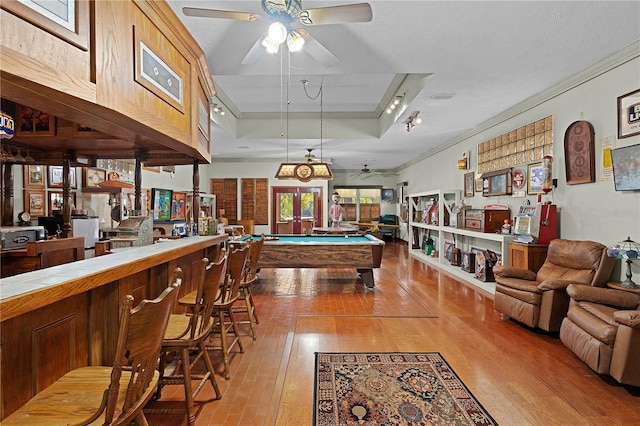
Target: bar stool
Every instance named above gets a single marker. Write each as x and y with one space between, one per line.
249 277
89 394
223 307
185 335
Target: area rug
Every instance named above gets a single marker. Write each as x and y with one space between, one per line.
392 389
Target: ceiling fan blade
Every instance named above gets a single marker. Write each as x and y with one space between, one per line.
359 12
220 14
256 52
317 50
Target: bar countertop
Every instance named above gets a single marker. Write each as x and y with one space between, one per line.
26 292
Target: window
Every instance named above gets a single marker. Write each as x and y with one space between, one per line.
361 204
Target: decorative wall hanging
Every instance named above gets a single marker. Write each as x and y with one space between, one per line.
535 179
157 74
469 184
93 177
496 183
68 20
519 182
35 203
56 178
579 153
629 114
34 176
520 146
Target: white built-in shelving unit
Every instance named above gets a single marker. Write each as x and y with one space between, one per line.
441 232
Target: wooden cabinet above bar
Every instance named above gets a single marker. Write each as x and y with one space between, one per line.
105 84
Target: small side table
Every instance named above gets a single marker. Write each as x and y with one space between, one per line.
617 286
527 256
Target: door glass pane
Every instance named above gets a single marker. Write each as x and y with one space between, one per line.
285 211
307 209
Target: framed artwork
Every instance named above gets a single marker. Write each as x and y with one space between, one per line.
156 74
629 114
478 184
68 20
33 176
579 153
178 205
93 177
35 203
33 122
56 179
469 184
535 173
56 201
496 183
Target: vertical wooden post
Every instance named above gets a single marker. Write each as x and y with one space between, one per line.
138 180
66 193
195 210
7 194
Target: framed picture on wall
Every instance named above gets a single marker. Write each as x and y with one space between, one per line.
469 184
93 177
56 201
33 176
35 203
535 179
629 114
56 178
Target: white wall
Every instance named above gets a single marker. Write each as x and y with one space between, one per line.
256 169
593 211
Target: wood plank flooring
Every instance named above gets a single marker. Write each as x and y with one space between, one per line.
521 376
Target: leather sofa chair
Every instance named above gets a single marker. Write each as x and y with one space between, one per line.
540 299
602 328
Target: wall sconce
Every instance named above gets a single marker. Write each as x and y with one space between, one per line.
463 163
394 103
413 121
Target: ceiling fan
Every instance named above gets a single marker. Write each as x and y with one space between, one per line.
284 15
311 158
366 173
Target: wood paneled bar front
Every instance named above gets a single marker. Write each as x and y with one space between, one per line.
64 317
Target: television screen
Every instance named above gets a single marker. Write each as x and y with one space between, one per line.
626 168
162 203
387 194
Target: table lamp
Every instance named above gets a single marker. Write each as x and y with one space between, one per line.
628 250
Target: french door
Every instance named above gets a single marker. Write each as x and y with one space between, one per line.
295 209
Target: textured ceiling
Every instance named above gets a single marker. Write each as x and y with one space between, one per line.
458 63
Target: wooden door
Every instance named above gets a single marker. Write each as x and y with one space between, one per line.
296 209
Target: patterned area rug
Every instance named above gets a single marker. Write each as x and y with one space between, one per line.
392 389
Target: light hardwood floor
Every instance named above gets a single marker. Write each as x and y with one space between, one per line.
521 376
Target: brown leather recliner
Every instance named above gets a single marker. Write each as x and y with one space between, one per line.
540 300
602 328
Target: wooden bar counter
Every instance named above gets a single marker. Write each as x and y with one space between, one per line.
64 317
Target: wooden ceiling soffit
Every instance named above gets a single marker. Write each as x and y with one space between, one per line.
97 117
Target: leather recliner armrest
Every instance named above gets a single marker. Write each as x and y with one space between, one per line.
554 284
604 296
628 318
513 272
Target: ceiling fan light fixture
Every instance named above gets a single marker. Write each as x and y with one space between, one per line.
295 41
278 32
270 45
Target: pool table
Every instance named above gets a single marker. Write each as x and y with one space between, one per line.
363 252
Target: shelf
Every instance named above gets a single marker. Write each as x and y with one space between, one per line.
456 271
501 238
425 226
464 239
